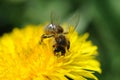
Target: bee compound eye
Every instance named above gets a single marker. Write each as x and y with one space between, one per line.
51 26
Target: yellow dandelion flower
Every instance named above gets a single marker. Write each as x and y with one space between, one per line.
23 58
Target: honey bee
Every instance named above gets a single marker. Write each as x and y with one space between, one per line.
57 32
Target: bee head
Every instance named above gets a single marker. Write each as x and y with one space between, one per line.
53 29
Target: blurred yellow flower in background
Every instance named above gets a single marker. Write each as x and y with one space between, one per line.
23 58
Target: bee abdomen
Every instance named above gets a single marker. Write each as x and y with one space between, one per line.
60 49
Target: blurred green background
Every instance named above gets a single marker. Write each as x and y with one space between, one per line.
101 18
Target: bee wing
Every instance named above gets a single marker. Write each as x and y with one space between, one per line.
73 22
54 19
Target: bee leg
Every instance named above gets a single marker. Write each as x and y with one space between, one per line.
63 51
65 33
68 46
45 36
42 37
